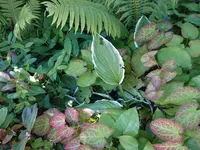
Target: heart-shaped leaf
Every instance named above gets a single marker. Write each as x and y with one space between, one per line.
193 50
95 135
71 115
58 120
65 132
189 31
183 95
73 144
107 61
167 130
169 146
42 125
87 79
188 116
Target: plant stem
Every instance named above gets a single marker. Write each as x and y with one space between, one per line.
122 93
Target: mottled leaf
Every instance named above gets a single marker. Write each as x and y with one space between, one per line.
52 136
58 120
65 132
169 146
73 144
71 115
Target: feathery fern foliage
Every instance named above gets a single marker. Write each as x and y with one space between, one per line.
83 14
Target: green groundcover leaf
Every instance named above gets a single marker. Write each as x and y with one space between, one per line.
189 31
107 61
128 142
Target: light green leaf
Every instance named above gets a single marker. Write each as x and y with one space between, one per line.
107 61
127 123
148 146
195 82
3 114
76 67
193 50
168 53
36 90
128 142
189 31
87 79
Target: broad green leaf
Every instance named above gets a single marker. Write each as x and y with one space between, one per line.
183 95
128 142
76 67
195 135
95 135
193 50
127 123
107 61
176 41
158 114
185 113
3 114
189 31
195 82
87 79
164 25
167 130
191 144
169 146
36 90
137 66
41 126
148 146
168 53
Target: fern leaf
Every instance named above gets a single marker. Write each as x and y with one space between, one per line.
35 7
24 18
11 8
84 14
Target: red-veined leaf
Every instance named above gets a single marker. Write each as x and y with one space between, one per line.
71 115
58 120
65 132
73 144
169 146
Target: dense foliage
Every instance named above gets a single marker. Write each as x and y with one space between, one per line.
100 74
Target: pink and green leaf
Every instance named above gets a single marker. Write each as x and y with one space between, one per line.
73 144
52 136
169 146
65 132
167 130
72 115
58 120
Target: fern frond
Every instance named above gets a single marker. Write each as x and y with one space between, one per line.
11 8
35 7
84 14
25 17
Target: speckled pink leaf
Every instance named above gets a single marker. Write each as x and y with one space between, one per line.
73 144
154 95
183 95
169 146
167 130
156 81
52 136
85 147
58 120
65 132
168 75
170 64
188 116
71 115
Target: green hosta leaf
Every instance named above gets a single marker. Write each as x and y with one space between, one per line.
71 115
168 53
128 142
167 130
185 113
183 95
193 50
176 41
95 135
87 79
3 114
58 120
136 63
189 31
164 25
169 146
53 137
127 123
195 82
76 67
42 125
107 61
4 77
148 146
159 40
146 33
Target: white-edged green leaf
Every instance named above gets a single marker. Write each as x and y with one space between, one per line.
107 61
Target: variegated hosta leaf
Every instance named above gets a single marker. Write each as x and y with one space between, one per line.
73 144
146 33
58 120
183 95
4 77
160 40
42 126
52 136
107 61
65 132
169 146
164 25
72 115
95 135
188 116
167 130
169 65
85 147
